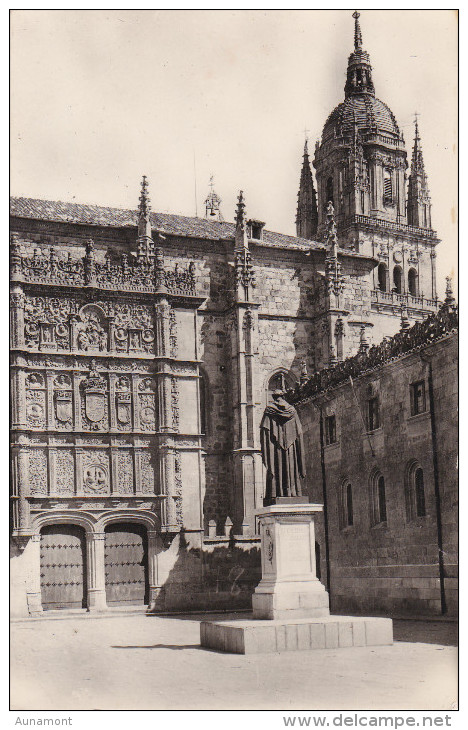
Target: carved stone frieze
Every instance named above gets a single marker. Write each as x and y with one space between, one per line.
121 272
173 333
175 403
147 411
125 472
147 472
178 488
64 472
37 472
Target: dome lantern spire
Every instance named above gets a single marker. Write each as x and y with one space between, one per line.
357 32
359 75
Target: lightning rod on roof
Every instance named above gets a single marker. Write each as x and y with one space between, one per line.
195 183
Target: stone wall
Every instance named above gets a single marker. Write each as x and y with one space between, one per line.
388 566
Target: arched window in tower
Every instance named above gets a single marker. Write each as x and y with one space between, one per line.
397 279
382 275
413 282
387 187
329 191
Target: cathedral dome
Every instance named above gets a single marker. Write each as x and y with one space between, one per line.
365 112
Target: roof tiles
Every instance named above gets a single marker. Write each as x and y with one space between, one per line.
177 225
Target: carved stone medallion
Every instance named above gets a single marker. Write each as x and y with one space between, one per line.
94 479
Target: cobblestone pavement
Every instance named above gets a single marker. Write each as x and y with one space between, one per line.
156 663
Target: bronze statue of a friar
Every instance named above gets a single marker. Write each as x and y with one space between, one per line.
282 452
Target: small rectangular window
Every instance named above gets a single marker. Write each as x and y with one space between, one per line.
373 414
418 397
330 430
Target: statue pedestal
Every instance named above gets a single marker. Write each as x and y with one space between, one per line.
290 605
289 588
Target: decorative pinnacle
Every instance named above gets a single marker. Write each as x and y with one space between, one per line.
240 210
331 232
145 205
241 228
304 373
357 32
404 322
417 162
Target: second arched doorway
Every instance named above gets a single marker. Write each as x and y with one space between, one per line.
126 564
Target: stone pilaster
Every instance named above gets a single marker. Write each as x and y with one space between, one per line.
168 487
76 400
95 571
33 580
22 492
17 316
244 357
154 586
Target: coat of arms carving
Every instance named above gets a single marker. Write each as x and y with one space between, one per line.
94 388
63 405
123 407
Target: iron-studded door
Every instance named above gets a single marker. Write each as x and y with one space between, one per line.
63 568
126 563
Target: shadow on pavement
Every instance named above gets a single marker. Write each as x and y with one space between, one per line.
175 647
426 632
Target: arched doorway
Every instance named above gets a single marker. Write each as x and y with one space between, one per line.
63 567
126 564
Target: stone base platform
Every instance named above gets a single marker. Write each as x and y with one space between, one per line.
262 637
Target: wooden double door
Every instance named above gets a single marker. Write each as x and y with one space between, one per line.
126 564
63 567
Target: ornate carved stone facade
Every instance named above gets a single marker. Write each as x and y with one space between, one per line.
144 346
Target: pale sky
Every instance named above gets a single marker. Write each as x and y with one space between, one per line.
99 98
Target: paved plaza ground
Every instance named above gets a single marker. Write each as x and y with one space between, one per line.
138 662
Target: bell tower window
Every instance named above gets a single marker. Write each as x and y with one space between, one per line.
397 276
413 282
382 274
387 187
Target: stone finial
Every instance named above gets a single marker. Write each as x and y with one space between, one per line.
144 210
304 373
241 223
90 248
357 32
332 358
363 341
144 207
